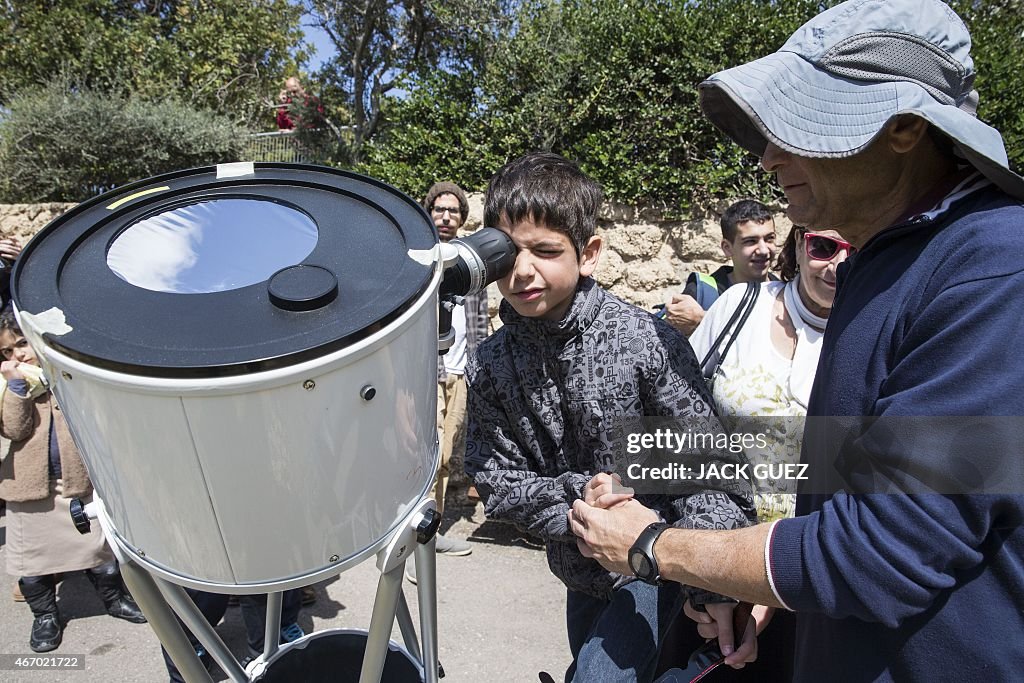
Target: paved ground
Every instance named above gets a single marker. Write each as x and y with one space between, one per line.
500 615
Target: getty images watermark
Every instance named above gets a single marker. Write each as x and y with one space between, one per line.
948 455
666 440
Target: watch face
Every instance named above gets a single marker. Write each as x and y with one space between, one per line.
639 563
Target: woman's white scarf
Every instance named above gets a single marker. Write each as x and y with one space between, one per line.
809 331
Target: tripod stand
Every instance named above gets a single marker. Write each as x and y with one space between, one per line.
321 655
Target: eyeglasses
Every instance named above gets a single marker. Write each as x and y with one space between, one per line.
825 248
441 210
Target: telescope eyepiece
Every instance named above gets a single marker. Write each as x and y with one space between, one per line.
484 256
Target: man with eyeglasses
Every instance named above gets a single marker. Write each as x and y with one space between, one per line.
907 562
748 241
448 207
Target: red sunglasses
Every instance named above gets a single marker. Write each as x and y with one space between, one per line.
825 248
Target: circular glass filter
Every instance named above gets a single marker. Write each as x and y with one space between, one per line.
212 246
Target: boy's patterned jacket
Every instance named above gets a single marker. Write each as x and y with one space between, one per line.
548 406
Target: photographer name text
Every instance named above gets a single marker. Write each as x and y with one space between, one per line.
716 471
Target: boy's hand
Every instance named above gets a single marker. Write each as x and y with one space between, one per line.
683 313
605 491
11 369
607 535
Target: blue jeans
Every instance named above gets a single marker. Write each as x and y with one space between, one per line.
620 639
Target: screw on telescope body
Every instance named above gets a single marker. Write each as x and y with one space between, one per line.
309 385
79 517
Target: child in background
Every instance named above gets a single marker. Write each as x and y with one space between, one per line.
38 478
548 395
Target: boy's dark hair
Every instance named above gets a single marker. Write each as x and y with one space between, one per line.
8 323
548 189
741 212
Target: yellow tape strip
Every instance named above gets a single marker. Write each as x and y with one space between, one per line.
125 200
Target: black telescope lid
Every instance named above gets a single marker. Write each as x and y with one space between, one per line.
227 270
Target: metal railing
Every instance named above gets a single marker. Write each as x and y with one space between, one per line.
311 147
281 145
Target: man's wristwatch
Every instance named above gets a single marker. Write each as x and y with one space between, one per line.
641 555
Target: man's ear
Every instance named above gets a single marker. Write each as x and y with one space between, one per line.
905 131
590 256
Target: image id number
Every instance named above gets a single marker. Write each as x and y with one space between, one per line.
36 662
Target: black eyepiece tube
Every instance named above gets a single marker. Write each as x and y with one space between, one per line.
484 256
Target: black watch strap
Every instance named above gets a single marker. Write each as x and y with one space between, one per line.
641 555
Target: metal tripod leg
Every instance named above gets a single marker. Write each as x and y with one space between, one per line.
405 625
385 606
164 623
272 632
417 536
182 604
426 592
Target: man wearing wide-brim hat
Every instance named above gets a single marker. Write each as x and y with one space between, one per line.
867 117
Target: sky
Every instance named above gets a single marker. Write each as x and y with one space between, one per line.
321 48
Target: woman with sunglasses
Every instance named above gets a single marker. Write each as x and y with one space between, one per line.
768 371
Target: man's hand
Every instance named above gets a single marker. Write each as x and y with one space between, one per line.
717 622
605 491
607 535
683 313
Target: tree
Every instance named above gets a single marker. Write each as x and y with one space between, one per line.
610 83
382 44
67 144
220 55
997 37
431 134
613 84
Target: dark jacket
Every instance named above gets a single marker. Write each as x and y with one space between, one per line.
547 404
922 587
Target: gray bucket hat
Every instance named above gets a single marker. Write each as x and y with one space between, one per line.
836 82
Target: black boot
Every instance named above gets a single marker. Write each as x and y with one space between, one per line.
119 602
41 595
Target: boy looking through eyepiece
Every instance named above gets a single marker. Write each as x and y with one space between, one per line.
548 394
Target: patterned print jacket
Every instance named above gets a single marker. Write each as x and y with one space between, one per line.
547 401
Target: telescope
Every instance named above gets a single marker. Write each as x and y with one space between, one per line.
246 356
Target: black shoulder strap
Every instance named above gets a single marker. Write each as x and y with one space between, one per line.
713 358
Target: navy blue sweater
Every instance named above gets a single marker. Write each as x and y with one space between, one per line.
928 321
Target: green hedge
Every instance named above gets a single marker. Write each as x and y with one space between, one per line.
610 83
613 84
58 144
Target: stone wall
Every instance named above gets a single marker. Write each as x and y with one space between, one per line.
645 258
24 220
